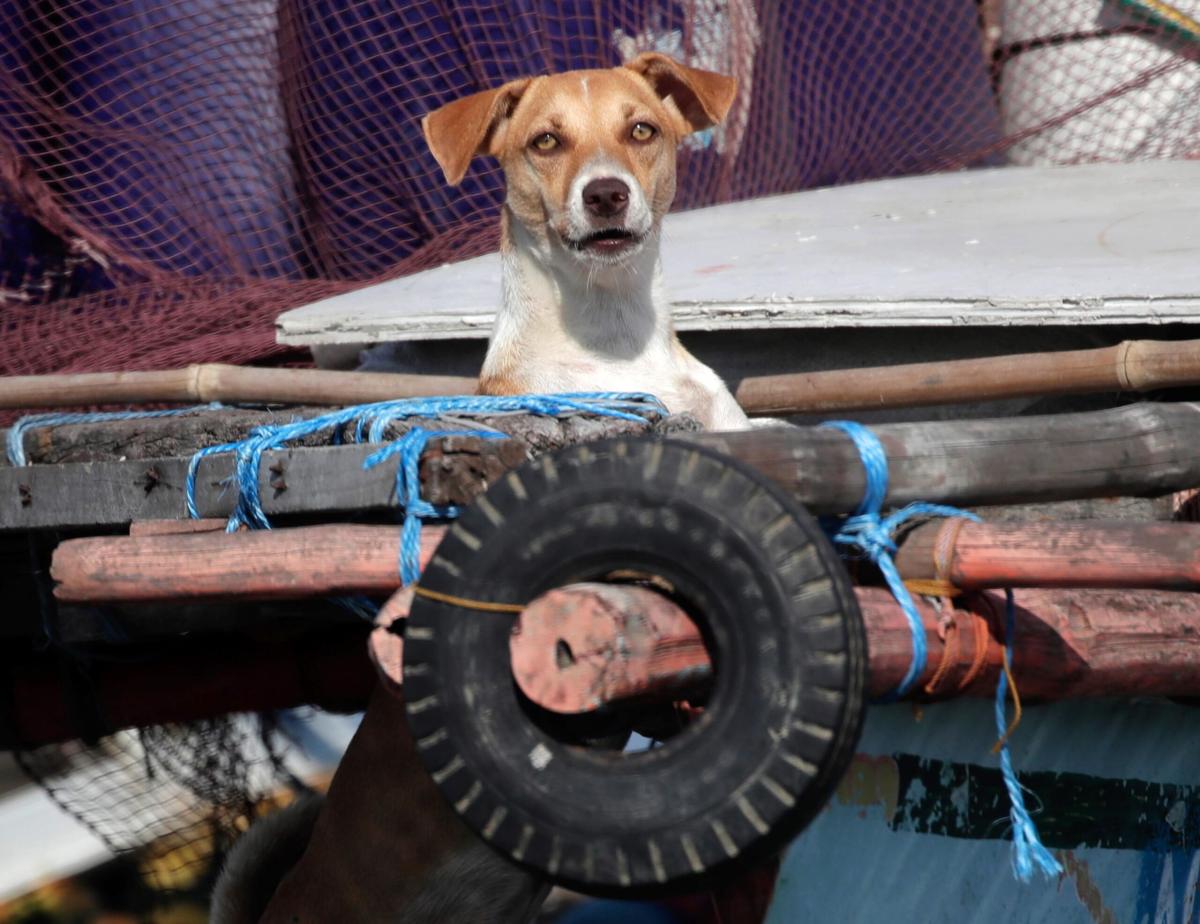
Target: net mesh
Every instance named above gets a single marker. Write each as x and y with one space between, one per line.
173 176
175 797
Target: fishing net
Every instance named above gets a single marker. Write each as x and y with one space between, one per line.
173 176
174 797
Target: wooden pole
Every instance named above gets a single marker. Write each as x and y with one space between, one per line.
160 562
254 565
1142 450
230 384
579 648
1089 553
1133 365
1069 643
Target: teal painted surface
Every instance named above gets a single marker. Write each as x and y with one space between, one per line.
917 830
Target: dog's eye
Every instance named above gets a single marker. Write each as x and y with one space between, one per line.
545 142
642 131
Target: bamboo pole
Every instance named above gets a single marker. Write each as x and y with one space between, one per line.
1133 365
1090 553
229 384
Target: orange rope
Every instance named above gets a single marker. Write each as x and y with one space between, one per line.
1016 698
482 605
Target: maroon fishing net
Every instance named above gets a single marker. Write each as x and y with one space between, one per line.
174 176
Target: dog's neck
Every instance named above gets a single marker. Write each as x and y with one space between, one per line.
552 308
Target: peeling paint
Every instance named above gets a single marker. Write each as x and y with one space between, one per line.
871 781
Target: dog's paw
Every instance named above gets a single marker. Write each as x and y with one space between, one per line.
763 423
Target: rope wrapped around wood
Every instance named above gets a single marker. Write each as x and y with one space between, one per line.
871 533
370 424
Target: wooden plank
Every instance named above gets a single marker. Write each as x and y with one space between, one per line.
1139 450
165 437
324 480
1095 244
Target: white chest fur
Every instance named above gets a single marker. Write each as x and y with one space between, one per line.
566 326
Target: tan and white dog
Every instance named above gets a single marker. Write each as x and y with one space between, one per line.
589 160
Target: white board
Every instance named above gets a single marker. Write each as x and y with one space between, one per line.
1093 244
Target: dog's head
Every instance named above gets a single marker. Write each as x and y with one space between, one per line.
589 156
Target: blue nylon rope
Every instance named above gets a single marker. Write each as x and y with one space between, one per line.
370 423
408 491
15 444
872 534
1028 849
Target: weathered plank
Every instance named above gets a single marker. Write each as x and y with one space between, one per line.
105 494
164 437
1094 244
1141 450
115 487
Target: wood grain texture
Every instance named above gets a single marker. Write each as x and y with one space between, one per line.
1140 450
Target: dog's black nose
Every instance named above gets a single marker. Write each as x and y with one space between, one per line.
606 198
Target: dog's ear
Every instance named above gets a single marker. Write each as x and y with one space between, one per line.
460 130
703 98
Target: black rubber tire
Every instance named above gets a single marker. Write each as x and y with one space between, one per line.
781 623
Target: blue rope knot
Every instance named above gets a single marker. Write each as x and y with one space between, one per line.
871 534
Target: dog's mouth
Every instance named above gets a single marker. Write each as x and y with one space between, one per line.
606 241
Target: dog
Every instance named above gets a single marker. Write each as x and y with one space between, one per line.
589 162
382 846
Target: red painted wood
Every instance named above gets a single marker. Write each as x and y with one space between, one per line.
1088 553
1068 644
207 565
